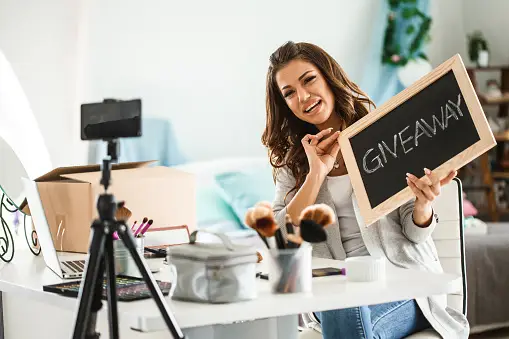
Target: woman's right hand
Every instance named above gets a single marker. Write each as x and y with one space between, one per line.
321 154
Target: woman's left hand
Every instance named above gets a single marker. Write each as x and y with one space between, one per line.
426 190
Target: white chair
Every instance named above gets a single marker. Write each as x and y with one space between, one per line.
449 240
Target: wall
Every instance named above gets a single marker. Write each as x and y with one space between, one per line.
490 16
447 31
203 65
200 64
39 38
453 20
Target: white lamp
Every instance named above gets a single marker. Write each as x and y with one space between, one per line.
18 126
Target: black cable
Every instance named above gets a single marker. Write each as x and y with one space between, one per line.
8 235
35 238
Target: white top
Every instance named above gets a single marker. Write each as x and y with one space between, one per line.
26 274
341 190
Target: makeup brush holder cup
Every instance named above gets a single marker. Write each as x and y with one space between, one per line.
124 263
290 270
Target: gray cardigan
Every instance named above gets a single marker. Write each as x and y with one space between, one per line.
395 237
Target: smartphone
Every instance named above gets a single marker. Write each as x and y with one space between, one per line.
111 119
317 272
326 271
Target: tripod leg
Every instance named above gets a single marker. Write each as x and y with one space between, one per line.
155 291
112 288
85 321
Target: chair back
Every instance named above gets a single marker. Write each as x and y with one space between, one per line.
449 239
450 243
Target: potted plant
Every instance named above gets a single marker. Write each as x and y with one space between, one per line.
478 49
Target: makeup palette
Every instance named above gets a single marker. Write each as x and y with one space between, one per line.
128 288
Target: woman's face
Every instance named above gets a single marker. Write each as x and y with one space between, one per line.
306 92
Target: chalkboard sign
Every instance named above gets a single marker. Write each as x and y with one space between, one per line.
425 131
436 123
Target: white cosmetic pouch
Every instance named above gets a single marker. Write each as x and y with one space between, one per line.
214 272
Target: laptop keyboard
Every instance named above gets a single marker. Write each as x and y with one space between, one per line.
77 266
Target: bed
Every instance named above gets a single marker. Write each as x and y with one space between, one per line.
487 258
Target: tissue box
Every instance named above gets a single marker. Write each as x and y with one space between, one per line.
69 196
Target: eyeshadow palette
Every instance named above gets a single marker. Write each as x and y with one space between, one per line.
128 288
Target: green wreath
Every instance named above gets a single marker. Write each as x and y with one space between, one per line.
402 16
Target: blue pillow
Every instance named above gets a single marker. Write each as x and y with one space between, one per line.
242 190
212 211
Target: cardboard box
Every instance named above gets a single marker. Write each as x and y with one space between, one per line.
69 197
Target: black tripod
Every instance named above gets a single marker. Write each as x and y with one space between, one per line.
101 261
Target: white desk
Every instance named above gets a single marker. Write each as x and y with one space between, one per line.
30 313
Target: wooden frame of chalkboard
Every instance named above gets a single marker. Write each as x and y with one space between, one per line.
450 128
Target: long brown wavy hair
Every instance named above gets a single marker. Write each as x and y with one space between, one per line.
284 131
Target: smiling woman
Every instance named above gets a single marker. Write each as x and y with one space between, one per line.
310 100
309 96
306 103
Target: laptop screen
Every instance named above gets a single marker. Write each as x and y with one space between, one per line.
41 226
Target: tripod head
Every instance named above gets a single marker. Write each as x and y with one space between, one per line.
108 121
113 152
106 204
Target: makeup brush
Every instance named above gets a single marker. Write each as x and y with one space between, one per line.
313 220
294 239
264 220
312 232
261 223
290 231
321 214
280 241
289 265
123 213
142 225
147 226
261 218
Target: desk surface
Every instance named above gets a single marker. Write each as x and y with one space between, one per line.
26 275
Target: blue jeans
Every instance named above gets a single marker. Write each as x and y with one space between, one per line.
385 321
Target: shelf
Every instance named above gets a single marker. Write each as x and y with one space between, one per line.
486 100
502 136
488 68
500 175
476 187
484 211
503 210
498 171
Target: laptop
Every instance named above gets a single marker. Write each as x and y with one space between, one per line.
71 267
